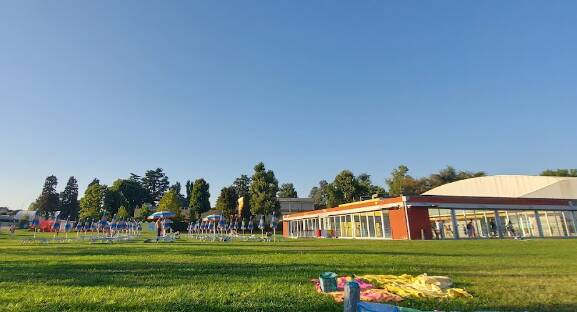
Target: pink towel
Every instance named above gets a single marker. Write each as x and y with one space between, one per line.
341 281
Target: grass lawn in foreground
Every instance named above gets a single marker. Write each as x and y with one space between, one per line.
505 275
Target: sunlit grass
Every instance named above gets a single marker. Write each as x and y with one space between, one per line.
535 275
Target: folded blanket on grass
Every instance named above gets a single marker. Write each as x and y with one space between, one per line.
395 288
421 286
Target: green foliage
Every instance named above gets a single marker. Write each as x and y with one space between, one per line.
143 211
227 201
113 200
287 190
560 173
345 188
320 194
400 183
132 192
69 204
122 213
263 190
91 204
49 201
242 188
170 202
199 199
156 183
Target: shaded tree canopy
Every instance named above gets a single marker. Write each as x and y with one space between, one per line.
401 183
133 193
287 190
242 188
560 173
156 182
227 201
69 204
170 202
49 200
263 190
92 201
199 198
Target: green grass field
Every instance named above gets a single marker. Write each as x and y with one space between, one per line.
534 275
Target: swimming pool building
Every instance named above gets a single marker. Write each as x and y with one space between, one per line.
508 206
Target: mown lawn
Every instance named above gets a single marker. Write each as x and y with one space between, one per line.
534 275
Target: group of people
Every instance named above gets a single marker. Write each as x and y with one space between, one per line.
441 230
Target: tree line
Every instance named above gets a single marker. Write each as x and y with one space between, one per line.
259 193
138 196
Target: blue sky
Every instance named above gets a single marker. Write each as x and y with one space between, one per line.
209 88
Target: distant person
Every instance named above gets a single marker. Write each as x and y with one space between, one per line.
440 229
493 228
510 228
471 229
12 228
158 225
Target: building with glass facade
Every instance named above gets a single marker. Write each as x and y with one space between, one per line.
528 207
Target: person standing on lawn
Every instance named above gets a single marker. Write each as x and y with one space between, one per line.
158 225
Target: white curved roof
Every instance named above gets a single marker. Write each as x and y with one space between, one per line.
516 186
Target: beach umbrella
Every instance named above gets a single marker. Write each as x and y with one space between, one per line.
261 225
250 225
213 217
161 214
273 224
35 223
56 227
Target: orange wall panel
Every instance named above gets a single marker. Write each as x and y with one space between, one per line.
398 223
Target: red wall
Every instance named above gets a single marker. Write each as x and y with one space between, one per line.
418 220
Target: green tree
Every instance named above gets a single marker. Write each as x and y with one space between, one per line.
242 188
143 211
188 187
156 182
287 190
335 196
122 213
346 184
366 188
319 195
263 190
560 173
400 182
227 201
49 201
199 199
112 200
69 204
170 202
91 204
133 193
176 187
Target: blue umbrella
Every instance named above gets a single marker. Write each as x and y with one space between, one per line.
162 214
221 223
274 220
250 224
261 223
79 226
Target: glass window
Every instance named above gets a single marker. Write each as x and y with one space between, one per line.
378 224
386 224
357 226
371 224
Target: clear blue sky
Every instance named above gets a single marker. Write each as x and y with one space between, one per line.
209 88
